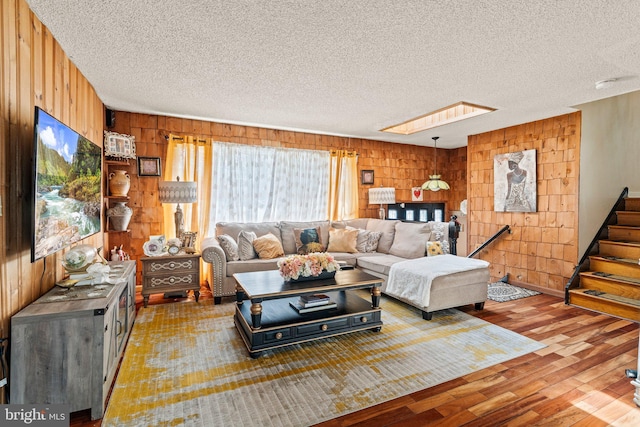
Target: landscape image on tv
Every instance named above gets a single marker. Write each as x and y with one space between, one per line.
67 186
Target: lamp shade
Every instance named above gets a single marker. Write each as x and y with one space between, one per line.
178 191
382 195
435 184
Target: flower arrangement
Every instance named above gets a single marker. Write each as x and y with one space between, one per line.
312 264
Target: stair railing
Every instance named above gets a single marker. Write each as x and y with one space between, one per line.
593 248
490 240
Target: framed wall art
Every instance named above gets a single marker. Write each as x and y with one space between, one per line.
366 177
119 145
515 183
416 194
149 166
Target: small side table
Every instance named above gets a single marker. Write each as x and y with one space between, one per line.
170 273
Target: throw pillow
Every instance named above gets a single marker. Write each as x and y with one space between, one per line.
268 246
410 240
367 240
229 246
440 233
388 230
434 248
342 240
308 240
245 245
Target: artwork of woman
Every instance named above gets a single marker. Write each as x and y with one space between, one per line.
516 200
515 182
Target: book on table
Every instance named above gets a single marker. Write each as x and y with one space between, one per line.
302 309
314 300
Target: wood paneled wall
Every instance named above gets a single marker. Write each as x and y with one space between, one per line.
394 165
35 72
542 250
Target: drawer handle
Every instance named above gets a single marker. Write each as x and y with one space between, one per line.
363 319
279 336
171 280
172 265
324 327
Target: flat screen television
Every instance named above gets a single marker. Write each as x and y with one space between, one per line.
67 186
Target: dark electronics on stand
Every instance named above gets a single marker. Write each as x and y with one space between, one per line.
67 186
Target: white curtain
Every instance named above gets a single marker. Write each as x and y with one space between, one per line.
255 184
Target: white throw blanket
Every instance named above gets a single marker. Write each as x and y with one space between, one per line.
411 280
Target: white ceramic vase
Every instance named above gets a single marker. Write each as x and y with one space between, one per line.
119 216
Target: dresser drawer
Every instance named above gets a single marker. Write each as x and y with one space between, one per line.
364 318
172 280
167 266
324 326
277 335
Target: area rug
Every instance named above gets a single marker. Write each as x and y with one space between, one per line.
185 364
502 292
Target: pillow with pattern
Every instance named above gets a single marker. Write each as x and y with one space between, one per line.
245 245
367 240
229 246
308 240
434 248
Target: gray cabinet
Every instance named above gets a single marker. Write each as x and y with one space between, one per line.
66 345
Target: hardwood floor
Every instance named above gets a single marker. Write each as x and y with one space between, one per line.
577 380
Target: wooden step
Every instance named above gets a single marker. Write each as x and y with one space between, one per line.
618 266
631 218
604 304
632 204
611 284
619 249
624 233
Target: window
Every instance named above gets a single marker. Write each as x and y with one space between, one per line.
255 184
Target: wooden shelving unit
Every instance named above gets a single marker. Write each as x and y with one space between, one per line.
115 237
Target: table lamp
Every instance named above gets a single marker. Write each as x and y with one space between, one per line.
178 192
382 196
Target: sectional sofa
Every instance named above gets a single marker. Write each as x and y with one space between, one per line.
380 244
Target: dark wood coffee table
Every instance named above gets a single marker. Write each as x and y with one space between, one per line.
270 322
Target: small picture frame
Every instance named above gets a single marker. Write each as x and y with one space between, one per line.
366 177
119 145
189 241
416 194
149 166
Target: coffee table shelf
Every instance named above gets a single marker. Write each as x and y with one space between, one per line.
278 324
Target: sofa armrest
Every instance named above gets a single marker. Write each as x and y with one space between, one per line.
213 254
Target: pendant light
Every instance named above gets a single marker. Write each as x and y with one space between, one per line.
435 183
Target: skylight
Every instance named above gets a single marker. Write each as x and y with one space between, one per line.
443 116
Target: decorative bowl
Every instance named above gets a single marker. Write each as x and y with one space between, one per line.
78 258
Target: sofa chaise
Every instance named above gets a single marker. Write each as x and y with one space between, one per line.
378 246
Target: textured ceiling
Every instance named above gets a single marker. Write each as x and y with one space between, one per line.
350 67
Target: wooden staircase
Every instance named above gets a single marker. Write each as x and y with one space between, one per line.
608 279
